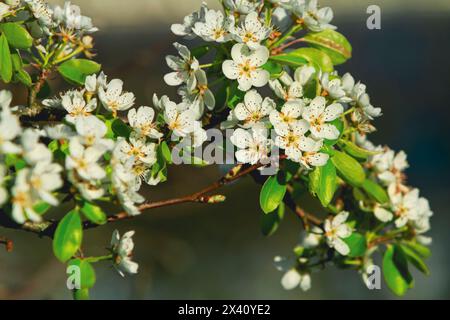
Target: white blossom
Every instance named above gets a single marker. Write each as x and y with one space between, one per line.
93 83
142 122
304 74
288 116
9 125
312 157
314 18
287 89
252 31
34 152
22 200
114 99
242 6
254 109
199 96
293 279
197 137
3 191
334 88
336 229
404 206
137 148
122 250
246 66
253 145
42 12
178 118
215 27
70 15
4 10
74 103
59 131
184 68
45 178
318 114
390 166
185 29
92 131
292 139
84 160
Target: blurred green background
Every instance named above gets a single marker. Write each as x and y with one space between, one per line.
204 252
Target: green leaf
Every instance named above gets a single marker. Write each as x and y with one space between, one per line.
201 51
6 68
376 191
317 58
23 77
81 294
87 272
94 213
68 236
17 36
272 193
395 270
418 248
357 244
349 169
41 207
271 221
415 260
334 44
165 152
289 59
120 128
323 183
76 70
355 151
275 69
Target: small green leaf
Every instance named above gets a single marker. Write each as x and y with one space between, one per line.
289 59
120 128
6 68
271 221
376 191
355 151
76 70
357 244
272 193
87 272
94 213
395 270
68 236
41 207
349 169
165 152
23 77
418 248
17 36
415 259
275 69
323 183
334 44
302 56
201 51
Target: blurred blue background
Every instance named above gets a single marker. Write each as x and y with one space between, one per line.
202 252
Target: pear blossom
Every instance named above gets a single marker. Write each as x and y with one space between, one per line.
292 139
59 132
304 74
184 68
142 122
22 200
390 166
200 96
252 31
287 89
90 190
281 17
242 6
288 116
122 250
253 145
197 137
93 83
34 152
254 109
334 88
293 279
185 29
4 10
42 12
311 157
70 16
74 103
314 18
318 114
9 125
246 66
45 178
336 229
404 206
84 160
179 120
138 148
91 132
215 27
114 99
311 239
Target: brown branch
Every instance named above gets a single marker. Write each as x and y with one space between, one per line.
35 108
280 49
306 218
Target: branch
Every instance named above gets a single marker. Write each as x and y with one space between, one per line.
7 243
35 108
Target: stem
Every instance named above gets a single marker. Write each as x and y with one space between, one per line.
288 34
98 259
9 245
280 49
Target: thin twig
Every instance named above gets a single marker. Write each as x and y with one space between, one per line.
9 245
